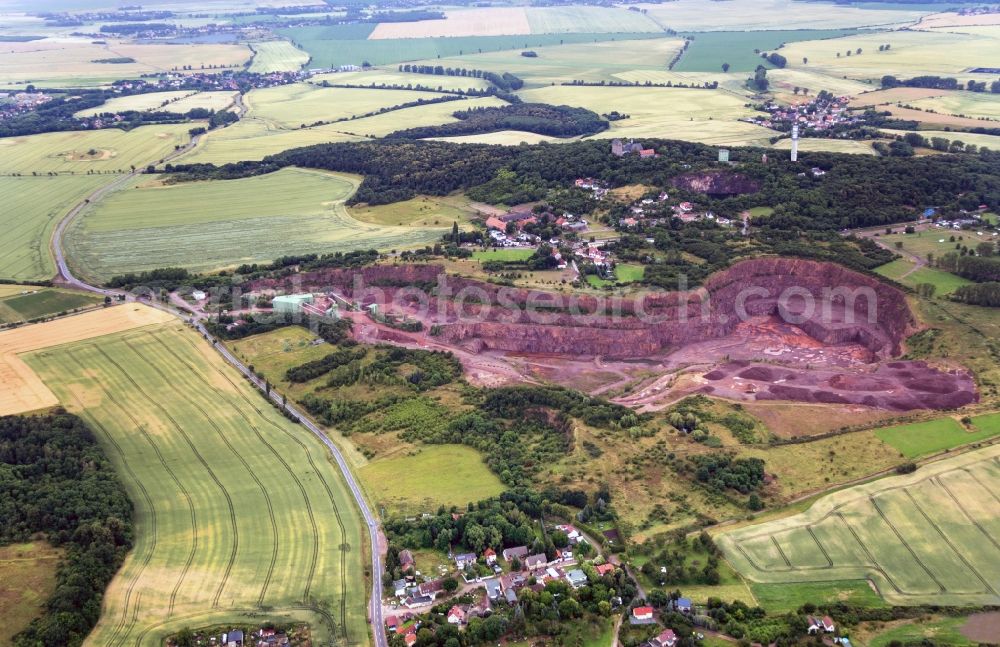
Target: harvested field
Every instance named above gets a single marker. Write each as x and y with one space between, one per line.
238 510
392 77
968 104
490 21
947 19
23 391
705 15
925 538
502 137
138 102
60 60
937 120
588 19
429 115
893 95
809 144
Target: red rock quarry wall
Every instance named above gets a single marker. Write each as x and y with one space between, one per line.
859 309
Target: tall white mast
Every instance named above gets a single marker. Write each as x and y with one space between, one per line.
795 142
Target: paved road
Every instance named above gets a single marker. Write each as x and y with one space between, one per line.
66 277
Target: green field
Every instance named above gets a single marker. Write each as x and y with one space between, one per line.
276 56
81 151
825 144
428 477
421 211
788 597
513 254
899 270
330 48
298 104
209 225
624 273
708 116
429 115
924 538
42 302
32 207
710 49
237 510
923 438
967 104
940 631
255 139
589 61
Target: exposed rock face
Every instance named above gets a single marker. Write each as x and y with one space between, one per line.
717 182
832 304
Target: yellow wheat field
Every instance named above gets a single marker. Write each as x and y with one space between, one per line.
22 390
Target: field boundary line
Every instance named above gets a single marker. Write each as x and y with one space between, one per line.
906 545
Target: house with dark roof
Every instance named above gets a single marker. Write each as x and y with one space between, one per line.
519 552
431 589
665 639
464 559
406 560
536 561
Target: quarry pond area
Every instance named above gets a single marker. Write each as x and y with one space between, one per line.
763 330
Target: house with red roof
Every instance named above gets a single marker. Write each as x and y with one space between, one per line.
642 614
604 569
456 615
666 639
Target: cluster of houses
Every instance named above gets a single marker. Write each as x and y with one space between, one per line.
649 211
507 230
263 637
820 114
597 188
13 104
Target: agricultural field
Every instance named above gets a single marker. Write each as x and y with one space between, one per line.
570 61
710 49
237 508
924 538
216 224
390 76
421 211
27 579
277 56
911 53
23 391
588 19
924 438
788 597
429 115
255 139
785 80
942 630
101 151
509 254
331 47
965 104
427 477
302 104
42 302
180 101
33 206
70 61
708 116
810 144
705 15
487 21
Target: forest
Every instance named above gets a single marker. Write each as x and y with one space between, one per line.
55 481
540 118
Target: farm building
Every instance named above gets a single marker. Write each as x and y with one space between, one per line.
290 303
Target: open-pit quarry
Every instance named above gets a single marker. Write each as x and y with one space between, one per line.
764 329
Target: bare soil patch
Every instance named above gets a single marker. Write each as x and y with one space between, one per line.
983 627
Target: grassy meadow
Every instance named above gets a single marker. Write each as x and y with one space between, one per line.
237 508
924 438
82 151
255 139
27 579
33 206
427 477
42 302
924 538
209 225
277 56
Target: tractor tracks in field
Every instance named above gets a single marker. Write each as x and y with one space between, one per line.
208 470
323 480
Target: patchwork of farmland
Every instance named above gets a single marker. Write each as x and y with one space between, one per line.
83 151
377 77
210 225
237 509
255 139
180 101
32 207
925 538
429 115
291 106
710 49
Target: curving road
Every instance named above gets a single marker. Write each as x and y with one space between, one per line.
66 277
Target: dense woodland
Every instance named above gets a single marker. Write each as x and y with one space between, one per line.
55 481
541 118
